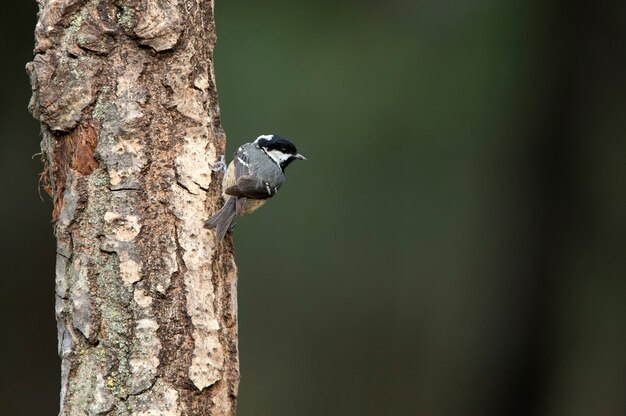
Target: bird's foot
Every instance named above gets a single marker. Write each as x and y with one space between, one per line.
220 165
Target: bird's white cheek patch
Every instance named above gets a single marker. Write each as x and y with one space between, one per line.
278 156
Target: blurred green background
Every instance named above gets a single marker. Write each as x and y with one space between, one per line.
456 242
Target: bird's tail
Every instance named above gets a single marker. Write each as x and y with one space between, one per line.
222 219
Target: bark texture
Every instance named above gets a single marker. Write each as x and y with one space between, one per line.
146 299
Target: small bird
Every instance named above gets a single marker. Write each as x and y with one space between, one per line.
255 175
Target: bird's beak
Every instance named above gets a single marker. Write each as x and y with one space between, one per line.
299 156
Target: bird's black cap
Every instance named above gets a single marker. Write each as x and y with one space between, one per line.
276 142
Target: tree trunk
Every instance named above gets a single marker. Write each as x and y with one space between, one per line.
146 299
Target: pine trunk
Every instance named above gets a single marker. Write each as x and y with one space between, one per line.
146 300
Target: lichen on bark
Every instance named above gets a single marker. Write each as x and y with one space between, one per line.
146 299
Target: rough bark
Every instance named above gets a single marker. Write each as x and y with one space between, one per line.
146 299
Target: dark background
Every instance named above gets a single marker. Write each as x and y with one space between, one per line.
456 242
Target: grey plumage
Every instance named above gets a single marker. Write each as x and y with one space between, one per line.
223 218
251 160
251 178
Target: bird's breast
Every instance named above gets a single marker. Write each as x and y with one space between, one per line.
229 178
253 205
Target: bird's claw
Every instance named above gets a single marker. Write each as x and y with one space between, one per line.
220 165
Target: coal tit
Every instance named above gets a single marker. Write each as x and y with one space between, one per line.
255 175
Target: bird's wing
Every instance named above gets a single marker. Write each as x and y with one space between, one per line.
242 163
249 186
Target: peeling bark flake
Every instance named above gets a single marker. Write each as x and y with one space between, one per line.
73 154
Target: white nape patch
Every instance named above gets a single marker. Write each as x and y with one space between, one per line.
267 186
277 156
243 162
264 136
